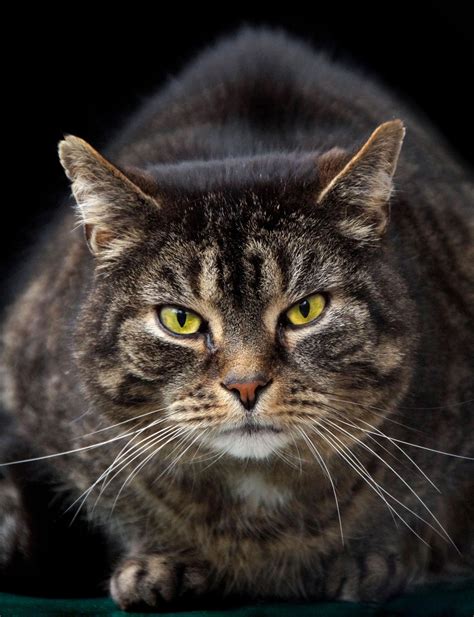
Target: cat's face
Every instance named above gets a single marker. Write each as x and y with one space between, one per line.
250 315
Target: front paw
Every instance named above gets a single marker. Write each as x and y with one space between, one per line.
369 577
153 581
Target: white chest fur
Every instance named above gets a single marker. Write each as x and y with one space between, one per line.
254 490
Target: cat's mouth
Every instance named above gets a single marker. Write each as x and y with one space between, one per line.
251 428
249 439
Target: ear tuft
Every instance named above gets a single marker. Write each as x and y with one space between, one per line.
74 152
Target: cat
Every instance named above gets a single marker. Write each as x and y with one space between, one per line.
244 356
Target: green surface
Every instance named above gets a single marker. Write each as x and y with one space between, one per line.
447 601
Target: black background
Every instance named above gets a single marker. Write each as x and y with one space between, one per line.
78 72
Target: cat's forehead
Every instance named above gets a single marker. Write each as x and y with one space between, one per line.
237 236
267 212
242 251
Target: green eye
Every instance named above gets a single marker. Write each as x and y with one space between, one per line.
179 321
307 310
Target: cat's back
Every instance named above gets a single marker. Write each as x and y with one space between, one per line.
255 92
262 91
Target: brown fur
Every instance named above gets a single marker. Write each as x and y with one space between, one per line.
236 195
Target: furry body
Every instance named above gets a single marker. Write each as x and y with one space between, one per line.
234 155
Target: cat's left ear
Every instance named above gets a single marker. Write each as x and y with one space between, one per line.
362 189
109 201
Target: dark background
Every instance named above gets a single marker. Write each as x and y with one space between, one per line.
78 72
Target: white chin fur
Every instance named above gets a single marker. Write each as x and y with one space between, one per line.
254 446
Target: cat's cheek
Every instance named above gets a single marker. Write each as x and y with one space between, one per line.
147 351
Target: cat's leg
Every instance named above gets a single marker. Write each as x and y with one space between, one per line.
156 579
14 528
373 574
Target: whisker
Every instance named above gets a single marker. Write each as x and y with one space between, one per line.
174 463
105 474
380 433
150 456
138 451
220 455
404 407
373 484
351 458
435 408
407 443
107 428
194 458
370 409
324 467
129 451
436 531
125 449
299 459
410 488
56 454
214 458
286 460
414 445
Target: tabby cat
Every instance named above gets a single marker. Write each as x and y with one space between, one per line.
249 365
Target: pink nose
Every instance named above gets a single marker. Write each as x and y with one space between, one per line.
247 389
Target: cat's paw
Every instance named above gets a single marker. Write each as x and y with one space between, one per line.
153 581
369 577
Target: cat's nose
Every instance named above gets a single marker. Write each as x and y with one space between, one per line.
247 388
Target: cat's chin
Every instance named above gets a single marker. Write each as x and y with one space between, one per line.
244 445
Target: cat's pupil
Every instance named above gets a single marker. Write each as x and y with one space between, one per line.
181 317
304 308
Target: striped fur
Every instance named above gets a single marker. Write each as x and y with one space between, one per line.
250 182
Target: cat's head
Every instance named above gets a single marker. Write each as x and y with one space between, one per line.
250 300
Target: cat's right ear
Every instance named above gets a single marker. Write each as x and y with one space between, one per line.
107 199
361 190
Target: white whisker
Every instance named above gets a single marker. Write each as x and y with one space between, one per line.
370 409
408 443
169 434
380 433
324 467
352 454
415 445
213 458
299 459
174 463
128 445
107 428
140 466
124 456
178 432
372 483
84 448
351 458
410 488
110 468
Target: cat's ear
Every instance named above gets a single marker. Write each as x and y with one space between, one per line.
364 185
107 199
